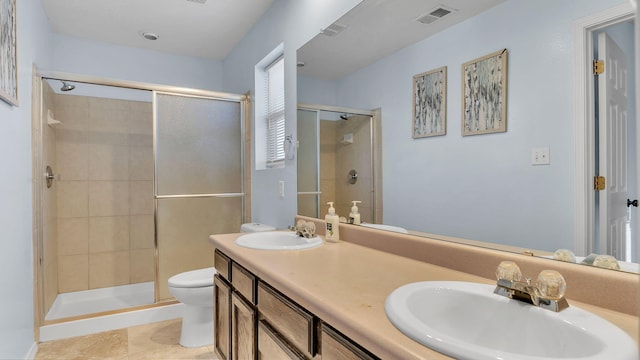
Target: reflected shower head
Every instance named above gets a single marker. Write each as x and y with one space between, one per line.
66 86
344 117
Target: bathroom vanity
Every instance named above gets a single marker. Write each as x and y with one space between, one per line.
328 302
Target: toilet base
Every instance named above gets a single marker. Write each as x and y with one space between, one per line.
197 326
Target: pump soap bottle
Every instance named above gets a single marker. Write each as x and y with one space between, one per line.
354 215
332 221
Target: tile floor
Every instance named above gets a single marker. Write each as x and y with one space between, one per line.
156 341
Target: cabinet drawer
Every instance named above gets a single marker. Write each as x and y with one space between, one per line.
273 346
294 323
244 282
222 264
335 346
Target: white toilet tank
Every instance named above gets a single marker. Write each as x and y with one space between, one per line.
256 227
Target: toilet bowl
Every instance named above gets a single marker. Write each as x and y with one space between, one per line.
195 290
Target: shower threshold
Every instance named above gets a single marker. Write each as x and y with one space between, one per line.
99 300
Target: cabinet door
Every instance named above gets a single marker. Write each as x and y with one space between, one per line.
244 331
271 346
222 333
336 346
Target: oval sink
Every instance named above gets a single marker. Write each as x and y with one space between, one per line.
468 321
277 240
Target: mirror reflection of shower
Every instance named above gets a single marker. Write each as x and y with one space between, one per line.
331 144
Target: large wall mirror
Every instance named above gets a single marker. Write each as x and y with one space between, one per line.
485 189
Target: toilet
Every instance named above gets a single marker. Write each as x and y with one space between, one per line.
195 290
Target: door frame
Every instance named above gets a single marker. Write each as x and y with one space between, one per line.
583 118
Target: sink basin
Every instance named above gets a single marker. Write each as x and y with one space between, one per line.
468 321
277 240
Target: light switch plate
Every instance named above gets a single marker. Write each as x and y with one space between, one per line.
540 156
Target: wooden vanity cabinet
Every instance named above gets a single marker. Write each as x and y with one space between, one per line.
335 346
255 321
288 320
222 320
235 312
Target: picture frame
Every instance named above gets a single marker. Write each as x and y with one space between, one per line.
484 94
8 53
430 103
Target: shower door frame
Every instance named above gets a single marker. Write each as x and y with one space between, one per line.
38 183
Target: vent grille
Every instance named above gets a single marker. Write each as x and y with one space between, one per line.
435 15
333 29
198 1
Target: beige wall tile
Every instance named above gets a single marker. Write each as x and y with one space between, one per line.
72 199
142 266
73 236
108 234
141 232
108 198
73 273
63 100
141 163
141 197
103 105
108 162
108 269
72 118
72 160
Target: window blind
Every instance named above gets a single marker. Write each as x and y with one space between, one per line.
275 113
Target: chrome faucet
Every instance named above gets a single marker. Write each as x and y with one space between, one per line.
304 229
548 293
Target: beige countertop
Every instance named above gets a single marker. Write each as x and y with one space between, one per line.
346 286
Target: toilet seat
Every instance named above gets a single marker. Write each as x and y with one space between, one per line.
193 279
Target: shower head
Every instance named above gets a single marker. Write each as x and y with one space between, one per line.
66 86
344 117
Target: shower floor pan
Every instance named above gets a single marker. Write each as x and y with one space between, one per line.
98 300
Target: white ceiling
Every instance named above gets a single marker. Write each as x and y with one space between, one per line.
210 30
375 28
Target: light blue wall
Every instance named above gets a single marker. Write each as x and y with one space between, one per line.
16 265
293 23
483 187
79 56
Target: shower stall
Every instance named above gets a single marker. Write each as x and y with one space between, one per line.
130 179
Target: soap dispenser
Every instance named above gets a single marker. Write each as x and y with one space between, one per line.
354 215
332 221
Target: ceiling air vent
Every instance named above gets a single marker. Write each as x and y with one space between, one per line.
333 29
435 15
198 1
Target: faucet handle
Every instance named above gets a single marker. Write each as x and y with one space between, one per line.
508 270
551 284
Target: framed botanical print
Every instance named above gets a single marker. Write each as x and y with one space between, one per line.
430 103
484 94
8 53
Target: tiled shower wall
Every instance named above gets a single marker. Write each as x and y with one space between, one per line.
336 159
105 192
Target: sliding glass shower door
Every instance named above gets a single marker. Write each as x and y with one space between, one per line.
199 191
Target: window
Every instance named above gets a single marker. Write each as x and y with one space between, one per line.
274 115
